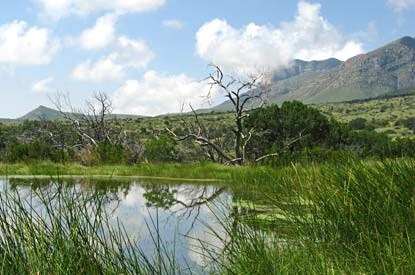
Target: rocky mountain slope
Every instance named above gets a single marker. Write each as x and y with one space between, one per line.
381 71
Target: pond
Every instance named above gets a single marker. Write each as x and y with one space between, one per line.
182 216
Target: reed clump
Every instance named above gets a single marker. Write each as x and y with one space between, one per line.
352 218
60 230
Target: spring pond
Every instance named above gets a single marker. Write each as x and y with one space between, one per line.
182 215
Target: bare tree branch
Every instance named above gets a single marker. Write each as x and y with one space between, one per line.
90 124
237 91
286 147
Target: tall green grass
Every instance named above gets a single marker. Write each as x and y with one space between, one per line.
334 218
60 230
368 210
355 218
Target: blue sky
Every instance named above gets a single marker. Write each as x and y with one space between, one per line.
149 55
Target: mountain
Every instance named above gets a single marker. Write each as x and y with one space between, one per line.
301 67
46 113
381 71
42 113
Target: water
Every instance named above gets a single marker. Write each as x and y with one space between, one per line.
183 214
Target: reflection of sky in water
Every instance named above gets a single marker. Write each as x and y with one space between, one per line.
182 222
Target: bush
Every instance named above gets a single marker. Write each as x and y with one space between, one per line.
410 123
161 149
275 126
107 153
358 124
35 150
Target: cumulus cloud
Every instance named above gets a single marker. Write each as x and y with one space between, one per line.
401 5
256 48
103 69
57 9
101 34
21 44
42 86
173 24
132 53
128 54
159 94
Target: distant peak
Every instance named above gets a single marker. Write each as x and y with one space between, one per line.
42 107
331 59
407 41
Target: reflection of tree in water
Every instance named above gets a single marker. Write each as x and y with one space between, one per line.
184 200
160 196
180 198
189 202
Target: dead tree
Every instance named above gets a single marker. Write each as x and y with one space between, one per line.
92 125
198 132
236 91
59 135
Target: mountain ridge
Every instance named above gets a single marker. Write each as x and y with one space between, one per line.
386 69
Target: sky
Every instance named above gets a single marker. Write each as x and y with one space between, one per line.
150 56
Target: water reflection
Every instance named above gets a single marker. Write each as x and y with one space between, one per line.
180 213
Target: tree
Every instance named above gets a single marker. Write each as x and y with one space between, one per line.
161 148
99 130
278 129
237 92
91 124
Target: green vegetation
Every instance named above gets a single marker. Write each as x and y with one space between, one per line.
333 218
291 133
67 232
384 114
318 190
189 171
356 218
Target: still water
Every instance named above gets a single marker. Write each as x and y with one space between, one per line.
184 215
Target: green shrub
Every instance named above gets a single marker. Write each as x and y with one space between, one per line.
106 153
36 150
161 149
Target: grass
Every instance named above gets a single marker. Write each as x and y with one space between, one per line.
62 231
169 171
333 218
357 218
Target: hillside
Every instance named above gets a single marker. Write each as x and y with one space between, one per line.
46 113
384 70
299 67
42 113
385 114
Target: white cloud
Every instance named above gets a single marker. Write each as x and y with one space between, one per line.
159 94
257 48
132 53
21 44
128 54
101 34
103 69
173 24
400 5
42 86
57 9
